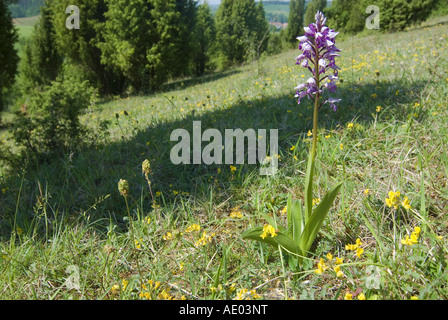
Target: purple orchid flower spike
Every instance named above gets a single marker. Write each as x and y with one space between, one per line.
318 56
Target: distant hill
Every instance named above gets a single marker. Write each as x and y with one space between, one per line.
276 10
26 8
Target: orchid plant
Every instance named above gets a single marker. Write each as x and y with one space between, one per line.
318 56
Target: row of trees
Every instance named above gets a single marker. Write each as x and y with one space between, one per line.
143 43
137 44
349 16
8 54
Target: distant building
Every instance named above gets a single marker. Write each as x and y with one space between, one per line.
279 25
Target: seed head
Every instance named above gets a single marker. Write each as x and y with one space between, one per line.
123 187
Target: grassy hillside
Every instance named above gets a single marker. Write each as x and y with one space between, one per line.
389 134
276 12
25 26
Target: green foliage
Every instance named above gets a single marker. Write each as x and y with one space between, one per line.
41 61
398 14
296 20
149 41
276 42
51 125
81 46
8 54
241 29
347 16
440 8
312 8
205 34
184 37
127 40
303 224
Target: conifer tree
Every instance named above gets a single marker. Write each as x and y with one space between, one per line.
239 29
41 62
296 20
205 34
312 8
8 54
80 46
127 38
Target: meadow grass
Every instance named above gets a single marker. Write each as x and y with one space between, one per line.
25 26
389 134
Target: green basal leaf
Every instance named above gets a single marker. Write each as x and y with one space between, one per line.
289 216
317 218
297 220
280 239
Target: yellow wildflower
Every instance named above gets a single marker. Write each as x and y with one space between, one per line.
309 134
378 109
167 236
393 200
204 239
350 125
321 266
353 247
268 230
329 256
241 294
338 271
348 296
193 227
406 203
361 296
339 260
359 252
124 284
115 289
235 213
413 239
254 294
284 210
165 295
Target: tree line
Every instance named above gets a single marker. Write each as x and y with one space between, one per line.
137 44
349 16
